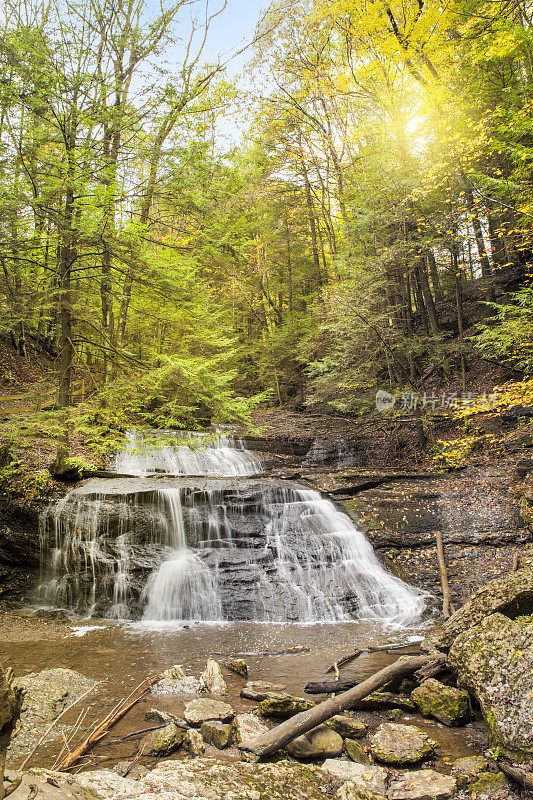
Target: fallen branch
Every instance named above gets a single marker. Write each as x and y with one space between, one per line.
54 723
104 726
516 562
524 779
356 653
272 740
446 596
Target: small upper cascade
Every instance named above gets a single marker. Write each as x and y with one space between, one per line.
214 454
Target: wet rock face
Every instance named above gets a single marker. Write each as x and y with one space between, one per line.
493 661
400 744
347 726
209 779
447 704
321 742
510 595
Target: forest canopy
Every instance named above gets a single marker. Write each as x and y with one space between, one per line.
372 226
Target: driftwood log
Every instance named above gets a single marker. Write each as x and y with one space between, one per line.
447 607
272 740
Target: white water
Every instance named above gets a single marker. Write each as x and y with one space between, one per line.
223 457
182 588
259 551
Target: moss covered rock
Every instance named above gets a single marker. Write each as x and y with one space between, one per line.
447 704
400 744
511 595
354 751
194 742
238 665
320 742
219 734
347 726
467 770
283 705
164 741
494 661
490 785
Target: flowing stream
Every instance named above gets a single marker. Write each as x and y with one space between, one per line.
196 536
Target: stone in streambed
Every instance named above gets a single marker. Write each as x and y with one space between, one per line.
351 791
175 681
400 744
447 704
347 726
239 666
284 705
259 690
165 716
422 784
164 741
247 726
213 678
467 770
490 785
354 751
381 700
320 742
203 710
217 733
364 777
194 742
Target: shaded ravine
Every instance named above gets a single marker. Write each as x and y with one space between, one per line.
216 546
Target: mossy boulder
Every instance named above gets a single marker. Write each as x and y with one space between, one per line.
320 742
194 742
400 744
347 726
237 665
164 741
510 595
355 752
467 770
447 704
284 705
208 779
219 734
490 785
494 661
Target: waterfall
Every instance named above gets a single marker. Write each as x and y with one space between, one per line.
168 549
224 456
182 588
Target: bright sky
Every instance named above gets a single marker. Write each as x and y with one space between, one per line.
233 29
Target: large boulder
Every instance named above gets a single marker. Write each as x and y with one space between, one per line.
351 791
320 742
493 660
510 595
284 705
364 777
423 784
400 744
447 704
203 710
208 779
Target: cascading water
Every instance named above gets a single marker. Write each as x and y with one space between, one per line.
168 549
210 454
